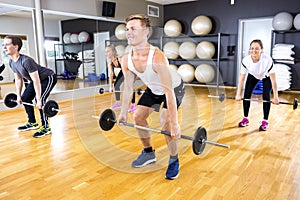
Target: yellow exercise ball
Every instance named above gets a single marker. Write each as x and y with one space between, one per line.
204 73
120 32
172 28
201 25
205 50
187 50
171 50
187 72
174 67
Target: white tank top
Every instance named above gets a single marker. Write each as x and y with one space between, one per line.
149 77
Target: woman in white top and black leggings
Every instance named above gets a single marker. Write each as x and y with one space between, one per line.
258 66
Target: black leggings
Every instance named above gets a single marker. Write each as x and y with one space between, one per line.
267 87
117 85
29 94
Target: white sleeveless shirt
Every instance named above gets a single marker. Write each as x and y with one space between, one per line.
149 77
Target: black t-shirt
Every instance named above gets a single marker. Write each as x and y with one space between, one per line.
26 65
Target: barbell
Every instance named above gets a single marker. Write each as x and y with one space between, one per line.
107 120
222 97
50 108
102 90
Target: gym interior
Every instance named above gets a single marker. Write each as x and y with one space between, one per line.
205 42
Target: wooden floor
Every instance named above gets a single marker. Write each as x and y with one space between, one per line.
79 161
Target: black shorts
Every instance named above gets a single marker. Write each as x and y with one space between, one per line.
151 100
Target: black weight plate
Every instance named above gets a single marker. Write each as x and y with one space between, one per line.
295 105
101 91
222 97
10 100
50 108
199 139
107 120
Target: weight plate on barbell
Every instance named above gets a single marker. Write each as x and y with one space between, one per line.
199 139
101 91
50 108
222 97
295 105
107 119
10 100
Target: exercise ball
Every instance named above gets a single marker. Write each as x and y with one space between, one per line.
120 49
172 28
205 50
120 32
174 67
282 21
187 72
204 73
171 50
84 36
74 38
297 22
201 25
187 50
67 38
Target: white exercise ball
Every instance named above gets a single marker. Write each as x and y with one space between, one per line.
171 50
297 22
282 21
172 28
67 38
120 32
187 50
174 67
84 36
74 38
187 72
120 49
204 73
201 25
205 50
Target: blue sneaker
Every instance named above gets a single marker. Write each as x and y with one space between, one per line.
144 159
173 170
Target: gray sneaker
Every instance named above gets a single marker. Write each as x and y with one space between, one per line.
144 159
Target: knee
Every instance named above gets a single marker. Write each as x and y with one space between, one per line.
139 118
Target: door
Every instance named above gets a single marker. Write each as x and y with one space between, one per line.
99 46
250 29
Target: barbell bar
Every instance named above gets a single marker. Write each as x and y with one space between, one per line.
222 97
50 108
107 120
102 90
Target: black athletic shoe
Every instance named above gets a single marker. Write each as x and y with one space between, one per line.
29 126
42 132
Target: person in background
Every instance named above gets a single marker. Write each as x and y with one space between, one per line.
164 86
41 82
258 66
116 72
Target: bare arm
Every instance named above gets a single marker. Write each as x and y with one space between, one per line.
37 87
160 66
275 89
240 87
129 79
111 76
19 85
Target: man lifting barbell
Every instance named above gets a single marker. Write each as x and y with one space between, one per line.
107 120
50 108
41 82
